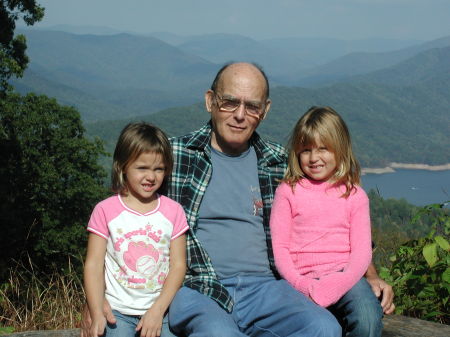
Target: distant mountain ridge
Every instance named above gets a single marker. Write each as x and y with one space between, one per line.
361 63
117 68
111 76
429 65
397 113
396 120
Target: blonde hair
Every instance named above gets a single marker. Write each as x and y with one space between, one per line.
325 123
135 139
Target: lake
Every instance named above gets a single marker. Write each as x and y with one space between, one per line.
419 187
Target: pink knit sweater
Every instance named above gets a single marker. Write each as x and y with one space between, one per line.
321 241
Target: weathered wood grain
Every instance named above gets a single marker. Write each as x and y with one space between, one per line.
394 326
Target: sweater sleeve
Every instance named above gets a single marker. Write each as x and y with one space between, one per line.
330 288
280 226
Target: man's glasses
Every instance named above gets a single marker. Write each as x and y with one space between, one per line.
231 105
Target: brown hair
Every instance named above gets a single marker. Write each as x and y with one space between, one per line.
325 123
135 139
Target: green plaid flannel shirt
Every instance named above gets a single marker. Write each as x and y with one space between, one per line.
190 178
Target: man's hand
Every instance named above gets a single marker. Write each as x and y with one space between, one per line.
381 290
86 319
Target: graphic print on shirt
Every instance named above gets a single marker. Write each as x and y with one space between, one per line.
142 258
257 201
144 264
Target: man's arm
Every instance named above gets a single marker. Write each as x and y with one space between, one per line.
381 289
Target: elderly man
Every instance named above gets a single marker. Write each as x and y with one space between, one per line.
225 177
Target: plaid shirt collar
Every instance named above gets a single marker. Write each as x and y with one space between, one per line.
201 141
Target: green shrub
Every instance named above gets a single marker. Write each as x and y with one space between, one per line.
420 270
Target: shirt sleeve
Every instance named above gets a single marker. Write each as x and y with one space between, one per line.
98 224
281 226
180 225
330 288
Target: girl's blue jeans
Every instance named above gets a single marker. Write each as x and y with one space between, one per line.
359 312
125 326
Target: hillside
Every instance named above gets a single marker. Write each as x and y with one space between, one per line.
361 63
117 69
429 66
402 124
398 113
319 51
113 75
222 48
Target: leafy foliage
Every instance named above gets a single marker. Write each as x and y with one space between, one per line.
49 180
420 271
13 60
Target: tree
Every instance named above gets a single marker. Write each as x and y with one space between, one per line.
49 179
13 59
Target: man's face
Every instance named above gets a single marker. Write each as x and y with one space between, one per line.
232 130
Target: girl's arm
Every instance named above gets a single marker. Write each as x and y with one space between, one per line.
280 228
330 288
94 283
151 322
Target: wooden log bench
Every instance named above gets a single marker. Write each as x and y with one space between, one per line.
394 326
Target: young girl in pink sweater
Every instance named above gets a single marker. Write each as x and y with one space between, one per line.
320 223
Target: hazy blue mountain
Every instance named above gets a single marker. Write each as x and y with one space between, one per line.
138 74
318 51
171 38
89 106
222 48
279 57
75 29
117 61
361 63
398 114
432 65
388 123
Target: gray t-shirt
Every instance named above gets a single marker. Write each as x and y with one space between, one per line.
230 225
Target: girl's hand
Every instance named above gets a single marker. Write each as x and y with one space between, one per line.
98 326
151 323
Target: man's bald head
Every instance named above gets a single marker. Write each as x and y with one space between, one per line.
230 66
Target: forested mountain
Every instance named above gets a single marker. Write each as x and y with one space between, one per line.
318 51
361 63
222 48
307 51
281 57
430 67
137 74
401 124
399 113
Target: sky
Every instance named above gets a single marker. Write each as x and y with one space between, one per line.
260 19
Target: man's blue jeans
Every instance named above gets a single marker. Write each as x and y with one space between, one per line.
263 306
359 311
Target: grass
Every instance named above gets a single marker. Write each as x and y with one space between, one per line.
33 299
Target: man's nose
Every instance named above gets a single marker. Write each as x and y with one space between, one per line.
239 113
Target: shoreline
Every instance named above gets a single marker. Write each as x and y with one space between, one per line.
392 166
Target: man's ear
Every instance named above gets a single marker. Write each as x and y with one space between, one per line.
209 96
266 109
